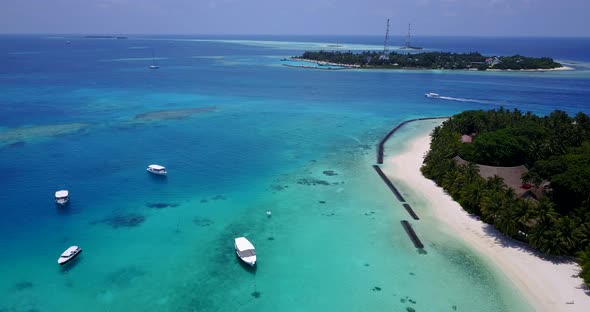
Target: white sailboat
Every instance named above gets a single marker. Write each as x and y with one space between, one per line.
153 65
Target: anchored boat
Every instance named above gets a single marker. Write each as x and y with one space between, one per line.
62 197
245 250
157 169
69 255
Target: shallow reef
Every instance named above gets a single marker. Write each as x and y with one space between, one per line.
20 286
16 137
312 181
168 114
278 187
122 220
202 222
124 277
161 205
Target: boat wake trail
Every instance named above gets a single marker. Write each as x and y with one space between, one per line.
489 102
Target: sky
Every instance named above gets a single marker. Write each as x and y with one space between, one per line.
298 17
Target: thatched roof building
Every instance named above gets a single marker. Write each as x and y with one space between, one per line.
510 175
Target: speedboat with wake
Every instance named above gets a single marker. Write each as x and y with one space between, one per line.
432 95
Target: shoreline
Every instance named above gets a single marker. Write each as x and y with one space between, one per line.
353 66
548 284
532 70
324 63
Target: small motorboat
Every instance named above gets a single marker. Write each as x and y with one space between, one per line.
432 95
62 197
153 66
245 250
69 255
157 169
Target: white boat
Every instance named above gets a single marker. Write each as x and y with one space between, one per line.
432 95
69 255
245 250
62 197
157 169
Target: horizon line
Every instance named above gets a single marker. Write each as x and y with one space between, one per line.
310 35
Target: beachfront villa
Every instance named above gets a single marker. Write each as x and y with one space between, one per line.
512 177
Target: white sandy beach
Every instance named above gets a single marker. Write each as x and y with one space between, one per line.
563 68
532 70
547 285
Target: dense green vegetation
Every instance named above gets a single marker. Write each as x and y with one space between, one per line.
431 60
523 62
555 148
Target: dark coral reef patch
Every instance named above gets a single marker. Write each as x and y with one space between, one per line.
161 205
122 220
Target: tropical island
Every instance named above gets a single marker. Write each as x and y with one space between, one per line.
527 175
429 60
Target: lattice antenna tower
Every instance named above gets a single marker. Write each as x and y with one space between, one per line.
386 42
408 37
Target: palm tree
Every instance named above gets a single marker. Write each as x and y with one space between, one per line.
543 236
507 222
546 208
493 203
471 196
471 171
524 212
566 234
584 257
509 193
495 183
535 152
448 179
584 261
583 235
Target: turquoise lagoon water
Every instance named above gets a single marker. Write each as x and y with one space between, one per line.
240 134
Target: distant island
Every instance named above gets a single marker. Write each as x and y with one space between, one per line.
527 175
429 60
104 37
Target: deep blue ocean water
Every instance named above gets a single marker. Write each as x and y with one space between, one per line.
240 134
